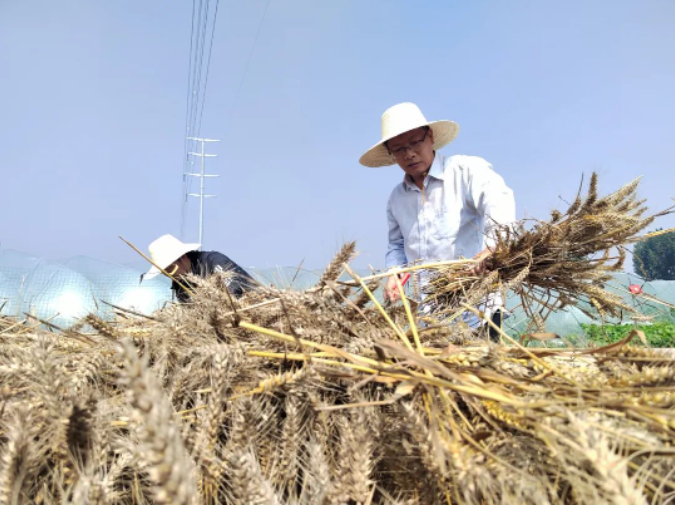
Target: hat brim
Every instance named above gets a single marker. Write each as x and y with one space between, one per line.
378 156
154 271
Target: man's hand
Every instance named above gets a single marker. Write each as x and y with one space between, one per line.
391 289
482 258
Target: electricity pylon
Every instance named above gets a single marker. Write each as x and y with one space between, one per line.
202 175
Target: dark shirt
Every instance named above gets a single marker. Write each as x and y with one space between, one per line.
205 263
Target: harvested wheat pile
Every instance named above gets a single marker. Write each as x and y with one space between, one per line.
326 396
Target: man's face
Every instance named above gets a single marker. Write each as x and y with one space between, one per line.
179 267
413 151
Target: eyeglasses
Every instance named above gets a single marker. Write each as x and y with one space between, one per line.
415 145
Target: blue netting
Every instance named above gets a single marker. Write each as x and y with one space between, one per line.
46 290
653 304
120 285
64 291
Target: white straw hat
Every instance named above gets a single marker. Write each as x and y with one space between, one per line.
402 118
164 251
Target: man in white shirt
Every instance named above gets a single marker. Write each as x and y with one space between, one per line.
445 206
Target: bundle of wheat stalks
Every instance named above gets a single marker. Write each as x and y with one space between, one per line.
320 397
559 262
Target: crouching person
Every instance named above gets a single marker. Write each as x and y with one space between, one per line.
179 259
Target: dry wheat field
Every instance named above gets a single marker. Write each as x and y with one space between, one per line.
327 396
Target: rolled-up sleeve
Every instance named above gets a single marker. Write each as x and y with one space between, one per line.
491 198
395 251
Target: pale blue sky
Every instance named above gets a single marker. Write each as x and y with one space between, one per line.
93 114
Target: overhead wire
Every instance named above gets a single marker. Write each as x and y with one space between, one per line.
208 67
248 62
198 69
197 39
183 196
196 93
186 131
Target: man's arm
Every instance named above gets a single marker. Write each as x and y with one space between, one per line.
491 198
395 250
395 253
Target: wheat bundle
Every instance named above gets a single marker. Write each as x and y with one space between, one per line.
554 263
325 396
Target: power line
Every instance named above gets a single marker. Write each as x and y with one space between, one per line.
197 83
200 20
183 199
196 93
208 67
198 69
248 61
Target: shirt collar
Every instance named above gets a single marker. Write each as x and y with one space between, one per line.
436 171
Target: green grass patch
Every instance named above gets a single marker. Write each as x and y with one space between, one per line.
660 334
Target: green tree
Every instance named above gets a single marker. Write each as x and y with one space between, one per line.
654 258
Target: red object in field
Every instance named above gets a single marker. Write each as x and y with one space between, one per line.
404 279
635 289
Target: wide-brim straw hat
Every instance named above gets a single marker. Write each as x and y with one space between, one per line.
164 251
402 118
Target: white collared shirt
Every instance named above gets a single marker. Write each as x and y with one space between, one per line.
462 200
